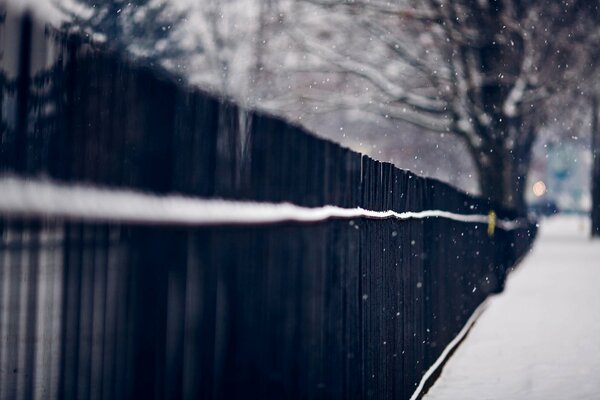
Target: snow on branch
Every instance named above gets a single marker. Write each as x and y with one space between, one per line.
373 75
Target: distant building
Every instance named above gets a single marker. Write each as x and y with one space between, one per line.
564 167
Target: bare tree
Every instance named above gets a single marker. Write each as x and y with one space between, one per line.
479 69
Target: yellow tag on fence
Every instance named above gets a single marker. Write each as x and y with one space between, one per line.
491 223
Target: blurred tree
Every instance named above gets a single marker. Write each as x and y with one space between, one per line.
144 28
479 69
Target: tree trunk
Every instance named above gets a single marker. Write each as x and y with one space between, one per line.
595 166
502 177
503 169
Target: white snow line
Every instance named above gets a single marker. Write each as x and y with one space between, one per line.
43 198
439 363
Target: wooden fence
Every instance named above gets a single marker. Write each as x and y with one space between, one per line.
343 307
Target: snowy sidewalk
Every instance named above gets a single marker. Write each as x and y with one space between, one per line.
540 339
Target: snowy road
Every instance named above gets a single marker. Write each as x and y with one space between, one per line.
540 339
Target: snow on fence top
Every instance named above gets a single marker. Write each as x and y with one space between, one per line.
38 198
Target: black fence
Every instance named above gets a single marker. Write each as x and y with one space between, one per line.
340 308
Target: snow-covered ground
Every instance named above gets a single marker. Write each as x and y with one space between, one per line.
540 339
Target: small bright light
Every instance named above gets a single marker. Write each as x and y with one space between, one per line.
539 188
